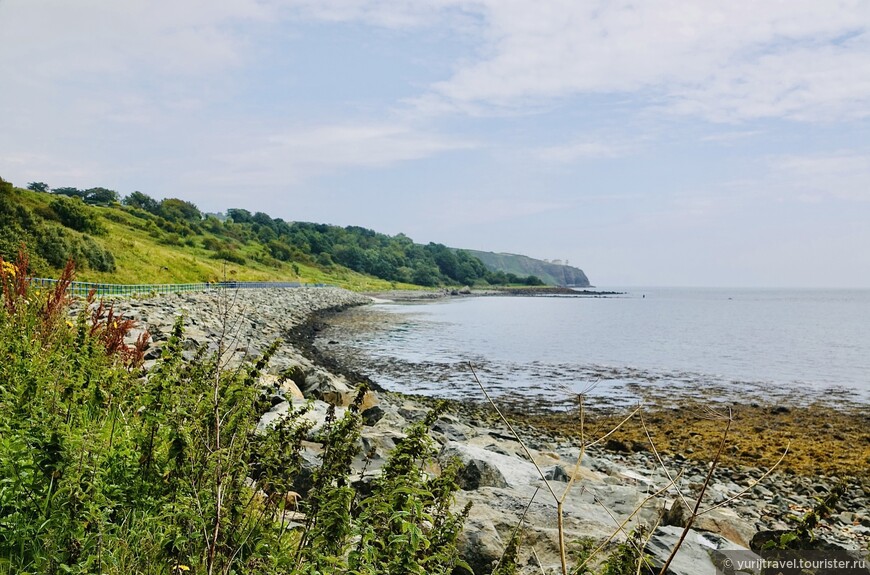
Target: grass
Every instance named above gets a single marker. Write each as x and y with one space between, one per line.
142 258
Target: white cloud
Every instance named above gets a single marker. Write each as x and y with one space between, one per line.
580 150
725 61
55 39
731 136
292 155
844 175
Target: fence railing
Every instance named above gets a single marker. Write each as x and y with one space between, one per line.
84 288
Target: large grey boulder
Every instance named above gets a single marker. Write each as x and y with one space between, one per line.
696 554
484 468
480 545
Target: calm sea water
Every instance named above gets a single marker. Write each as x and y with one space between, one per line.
659 343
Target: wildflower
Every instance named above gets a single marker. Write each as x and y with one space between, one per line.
8 268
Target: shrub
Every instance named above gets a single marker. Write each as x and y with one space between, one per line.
106 471
73 213
230 256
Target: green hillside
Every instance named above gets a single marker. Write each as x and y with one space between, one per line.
138 239
551 273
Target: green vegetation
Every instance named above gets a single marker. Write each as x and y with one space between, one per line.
143 240
108 471
57 230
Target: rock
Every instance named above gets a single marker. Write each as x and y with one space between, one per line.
480 546
498 449
695 556
316 415
450 428
311 459
331 389
372 415
378 443
556 473
728 524
281 384
760 539
477 473
335 389
484 468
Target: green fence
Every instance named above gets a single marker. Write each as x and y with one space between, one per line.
84 288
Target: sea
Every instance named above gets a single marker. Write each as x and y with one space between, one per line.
641 345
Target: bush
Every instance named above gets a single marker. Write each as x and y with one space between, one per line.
108 472
73 213
230 256
97 258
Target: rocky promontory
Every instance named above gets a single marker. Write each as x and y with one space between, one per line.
497 475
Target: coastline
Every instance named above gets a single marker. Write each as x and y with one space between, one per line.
623 473
403 296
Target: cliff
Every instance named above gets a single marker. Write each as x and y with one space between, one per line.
550 273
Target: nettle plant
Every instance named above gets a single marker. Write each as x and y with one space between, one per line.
106 469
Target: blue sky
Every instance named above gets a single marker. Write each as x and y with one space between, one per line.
656 143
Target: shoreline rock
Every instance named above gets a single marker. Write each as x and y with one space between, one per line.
497 478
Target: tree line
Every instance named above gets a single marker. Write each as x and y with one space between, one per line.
172 220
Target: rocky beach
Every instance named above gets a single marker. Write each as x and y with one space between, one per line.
613 478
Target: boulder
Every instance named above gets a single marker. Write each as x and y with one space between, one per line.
722 521
480 545
280 384
316 414
556 473
696 554
377 444
484 468
335 389
372 415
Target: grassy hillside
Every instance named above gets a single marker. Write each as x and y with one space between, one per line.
143 253
550 273
142 240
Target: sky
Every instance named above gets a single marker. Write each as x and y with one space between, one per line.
663 142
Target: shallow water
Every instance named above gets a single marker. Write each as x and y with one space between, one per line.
661 344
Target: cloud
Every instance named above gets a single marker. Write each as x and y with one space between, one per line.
397 14
724 61
843 175
56 40
291 155
731 136
581 150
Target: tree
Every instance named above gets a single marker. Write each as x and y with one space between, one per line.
176 210
239 215
68 191
141 201
100 196
263 219
38 187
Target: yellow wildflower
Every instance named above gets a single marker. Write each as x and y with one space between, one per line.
9 268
